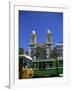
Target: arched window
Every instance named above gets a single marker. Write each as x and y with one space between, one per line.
49 39
32 39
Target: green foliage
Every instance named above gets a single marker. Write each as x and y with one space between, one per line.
21 51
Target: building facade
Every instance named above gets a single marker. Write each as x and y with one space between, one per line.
59 48
46 47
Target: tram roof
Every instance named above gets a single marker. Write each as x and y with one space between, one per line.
43 60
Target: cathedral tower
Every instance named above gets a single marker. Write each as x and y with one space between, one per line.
33 42
33 37
48 43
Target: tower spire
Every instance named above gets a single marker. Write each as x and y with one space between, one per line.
33 32
48 31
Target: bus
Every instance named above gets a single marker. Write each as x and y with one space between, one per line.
25 67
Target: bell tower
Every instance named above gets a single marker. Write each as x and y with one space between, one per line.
48 43
33 42
33 37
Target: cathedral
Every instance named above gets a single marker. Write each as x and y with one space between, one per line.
47 45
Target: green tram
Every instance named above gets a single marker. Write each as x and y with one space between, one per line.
47 67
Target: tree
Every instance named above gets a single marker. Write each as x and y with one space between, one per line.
40 52
33 52
27 52
37 53
21 51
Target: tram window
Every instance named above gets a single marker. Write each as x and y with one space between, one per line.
49 64
29 63
60 63
41 65
34 65
22 63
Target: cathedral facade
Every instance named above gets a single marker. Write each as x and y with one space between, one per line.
46 47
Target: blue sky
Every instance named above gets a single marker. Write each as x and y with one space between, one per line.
40 22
